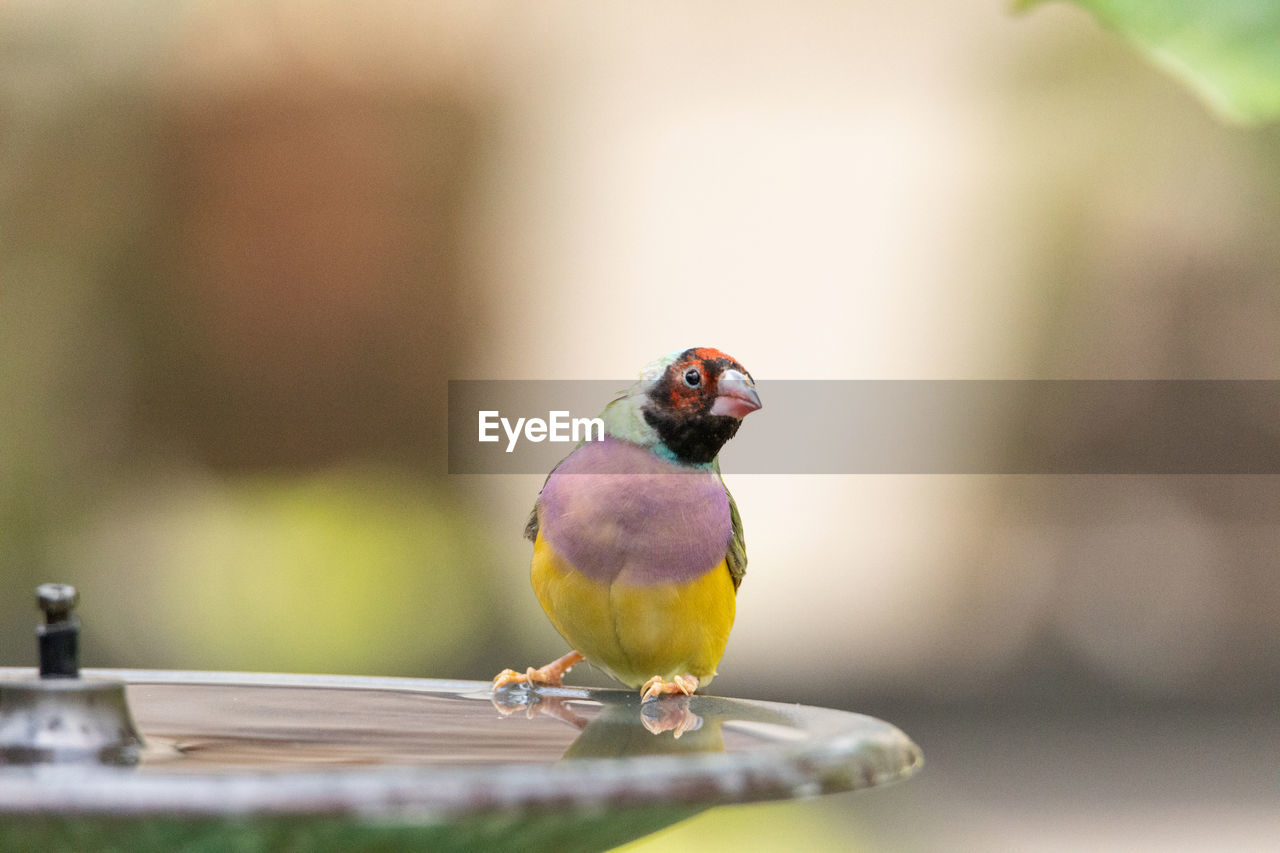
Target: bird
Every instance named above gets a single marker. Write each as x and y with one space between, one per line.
638 549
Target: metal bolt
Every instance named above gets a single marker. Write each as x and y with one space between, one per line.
59 636
57 600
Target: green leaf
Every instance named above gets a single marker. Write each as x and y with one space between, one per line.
1227 51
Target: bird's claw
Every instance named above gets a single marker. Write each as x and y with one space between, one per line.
527 700
530 676
657 686
550 675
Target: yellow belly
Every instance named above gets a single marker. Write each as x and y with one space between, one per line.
636 632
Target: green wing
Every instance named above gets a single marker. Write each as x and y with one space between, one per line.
531 526
737 556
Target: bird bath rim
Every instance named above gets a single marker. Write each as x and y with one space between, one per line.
839 751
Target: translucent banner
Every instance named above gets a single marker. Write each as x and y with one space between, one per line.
908 426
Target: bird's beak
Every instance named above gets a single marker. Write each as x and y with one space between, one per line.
736 395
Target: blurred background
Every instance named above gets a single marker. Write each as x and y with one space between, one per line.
244 245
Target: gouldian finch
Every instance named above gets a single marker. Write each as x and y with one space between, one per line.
637 545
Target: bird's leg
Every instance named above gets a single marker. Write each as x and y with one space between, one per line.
551 675
655 687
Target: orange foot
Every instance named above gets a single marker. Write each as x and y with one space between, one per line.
655 687
551 675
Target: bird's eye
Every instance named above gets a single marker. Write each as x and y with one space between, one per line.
692 377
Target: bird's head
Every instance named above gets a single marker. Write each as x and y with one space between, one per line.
686 405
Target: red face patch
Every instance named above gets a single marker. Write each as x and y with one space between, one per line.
711 354
693 378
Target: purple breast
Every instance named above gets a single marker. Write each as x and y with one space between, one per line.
616 511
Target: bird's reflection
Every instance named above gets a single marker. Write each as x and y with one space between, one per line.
615 724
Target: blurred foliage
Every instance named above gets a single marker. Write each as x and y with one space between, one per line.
351 569
1228 51
806 825
231 282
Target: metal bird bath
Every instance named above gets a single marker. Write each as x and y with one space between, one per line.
264 761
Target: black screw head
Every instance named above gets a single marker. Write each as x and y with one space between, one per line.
57 600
